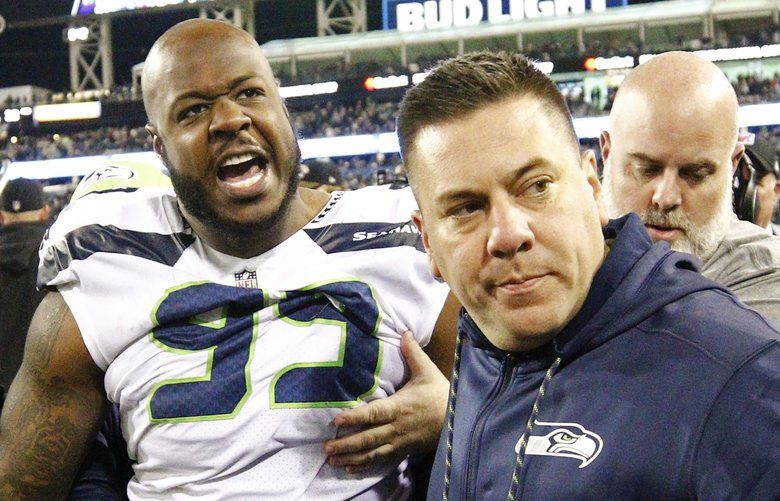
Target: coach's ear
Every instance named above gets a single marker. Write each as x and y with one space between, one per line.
418 221
590 169
605 145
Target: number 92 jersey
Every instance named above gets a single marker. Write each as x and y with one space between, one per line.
228 371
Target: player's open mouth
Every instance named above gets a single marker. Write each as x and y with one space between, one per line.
242 174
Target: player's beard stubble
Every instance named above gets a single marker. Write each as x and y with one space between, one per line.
194 197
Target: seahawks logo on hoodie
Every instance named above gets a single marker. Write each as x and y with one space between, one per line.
568 440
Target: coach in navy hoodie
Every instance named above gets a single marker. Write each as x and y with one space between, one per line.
591 363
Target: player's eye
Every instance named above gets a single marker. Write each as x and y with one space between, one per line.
250 93
192 111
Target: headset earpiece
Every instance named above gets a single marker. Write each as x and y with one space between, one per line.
745 199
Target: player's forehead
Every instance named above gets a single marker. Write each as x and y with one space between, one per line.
208 67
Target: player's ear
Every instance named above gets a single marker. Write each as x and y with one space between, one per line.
157 143
418 221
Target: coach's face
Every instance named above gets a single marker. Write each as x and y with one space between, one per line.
509 218
219 124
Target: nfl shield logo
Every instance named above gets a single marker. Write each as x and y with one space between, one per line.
246 279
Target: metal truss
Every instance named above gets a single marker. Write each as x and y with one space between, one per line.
91 60
239 13
335 17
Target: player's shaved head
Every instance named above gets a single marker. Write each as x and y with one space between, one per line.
183 43
677 84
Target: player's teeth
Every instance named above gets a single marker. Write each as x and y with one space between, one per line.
237 159
249 181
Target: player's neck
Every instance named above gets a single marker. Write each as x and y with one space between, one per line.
304 205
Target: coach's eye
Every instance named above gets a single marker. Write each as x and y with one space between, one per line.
465 210
540 187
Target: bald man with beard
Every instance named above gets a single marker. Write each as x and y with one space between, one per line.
669 155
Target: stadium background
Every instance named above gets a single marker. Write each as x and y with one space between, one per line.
343 74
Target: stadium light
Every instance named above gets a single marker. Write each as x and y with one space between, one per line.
314 89
11 115
77 34
379 83
608 63
67 111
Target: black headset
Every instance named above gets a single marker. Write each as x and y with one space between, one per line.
746 178
745 198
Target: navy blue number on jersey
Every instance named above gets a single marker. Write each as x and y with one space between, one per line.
350 306
222 322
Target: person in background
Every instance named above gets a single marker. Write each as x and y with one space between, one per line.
669 155
25 215
763 158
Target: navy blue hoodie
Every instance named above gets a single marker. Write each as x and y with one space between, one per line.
668 388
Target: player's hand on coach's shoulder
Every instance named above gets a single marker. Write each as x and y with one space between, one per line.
404 423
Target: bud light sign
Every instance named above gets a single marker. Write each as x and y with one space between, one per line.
418 15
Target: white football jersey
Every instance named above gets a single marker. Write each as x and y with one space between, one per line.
228 371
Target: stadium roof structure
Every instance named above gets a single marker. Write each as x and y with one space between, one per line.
703 13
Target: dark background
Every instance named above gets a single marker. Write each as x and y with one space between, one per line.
37 55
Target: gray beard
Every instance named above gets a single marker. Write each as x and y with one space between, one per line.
700 241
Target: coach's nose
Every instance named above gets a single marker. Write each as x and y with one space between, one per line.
509 232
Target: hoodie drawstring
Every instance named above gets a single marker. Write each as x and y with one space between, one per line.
523 438
529 427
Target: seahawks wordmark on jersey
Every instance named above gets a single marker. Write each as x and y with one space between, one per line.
229 371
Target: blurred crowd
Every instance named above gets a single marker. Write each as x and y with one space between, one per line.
329 119
754 89
549 50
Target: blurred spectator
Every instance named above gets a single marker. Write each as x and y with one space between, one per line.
763 155
25 217
753 89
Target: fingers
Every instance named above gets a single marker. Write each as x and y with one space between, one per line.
362 460
363 441
373 413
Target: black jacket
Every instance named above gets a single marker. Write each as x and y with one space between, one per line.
18 297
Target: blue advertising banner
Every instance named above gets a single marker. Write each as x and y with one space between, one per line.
417 15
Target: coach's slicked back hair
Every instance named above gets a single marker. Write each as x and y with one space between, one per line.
458 86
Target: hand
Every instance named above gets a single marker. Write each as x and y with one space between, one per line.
406 422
